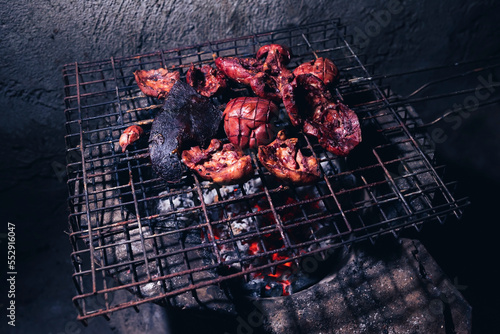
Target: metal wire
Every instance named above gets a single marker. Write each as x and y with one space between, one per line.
117 226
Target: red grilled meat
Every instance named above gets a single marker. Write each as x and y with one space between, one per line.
310 105
206 80
239 69
248 121
130 135
223 164
323 68
274 57
286 161
157 82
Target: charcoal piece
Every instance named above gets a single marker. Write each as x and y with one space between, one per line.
186 119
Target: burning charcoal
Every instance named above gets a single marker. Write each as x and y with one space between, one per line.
273 289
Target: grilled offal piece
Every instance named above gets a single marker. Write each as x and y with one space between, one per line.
239 69
274 57
285 160
186 119
323 68
310 105
248 121
130 135
223 164
206 80
156 83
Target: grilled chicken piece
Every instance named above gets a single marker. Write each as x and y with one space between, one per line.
285 160
323 68
206 80
223 164
130 135
248 121
310 105
186 119
239 69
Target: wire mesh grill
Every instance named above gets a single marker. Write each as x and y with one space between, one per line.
159 241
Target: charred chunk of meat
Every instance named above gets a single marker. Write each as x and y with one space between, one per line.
286 161
157 82
223 164
248 121
130 135
310 105
323 68
206 80
187 119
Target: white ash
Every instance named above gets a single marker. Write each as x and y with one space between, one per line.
238 227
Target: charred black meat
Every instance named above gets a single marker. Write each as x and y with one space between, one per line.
186 119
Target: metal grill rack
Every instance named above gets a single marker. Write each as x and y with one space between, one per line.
128 233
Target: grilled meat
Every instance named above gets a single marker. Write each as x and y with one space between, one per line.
223 164
310 105
239 69
286 161
248 121
323 68
157 82
206 80
274 57
130 135
186 119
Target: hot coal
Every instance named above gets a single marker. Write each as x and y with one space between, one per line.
241 219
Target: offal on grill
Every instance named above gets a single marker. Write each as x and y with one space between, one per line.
130 135
285 160
323 68
248 121
310 105
220 163
206 80
157 82
186 119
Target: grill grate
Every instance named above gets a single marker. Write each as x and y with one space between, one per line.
128 231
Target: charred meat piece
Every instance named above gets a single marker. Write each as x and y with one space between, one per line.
156 83
186 119
130 135
206 80
310 105
286 161
239 69
248 121
274 57
223 164
323 68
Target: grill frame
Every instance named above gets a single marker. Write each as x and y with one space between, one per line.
392 192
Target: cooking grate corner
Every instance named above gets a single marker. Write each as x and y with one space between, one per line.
129 232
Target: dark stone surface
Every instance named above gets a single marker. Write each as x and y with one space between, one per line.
398 289
39 37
